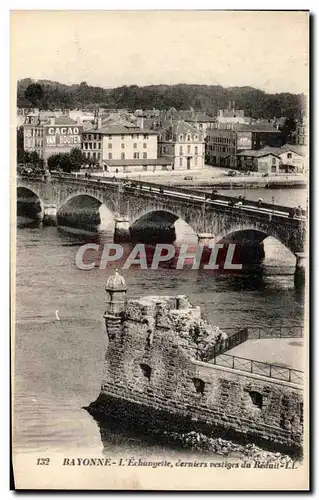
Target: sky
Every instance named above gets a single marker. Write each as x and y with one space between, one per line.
266 50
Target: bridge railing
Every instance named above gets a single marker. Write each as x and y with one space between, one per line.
152 185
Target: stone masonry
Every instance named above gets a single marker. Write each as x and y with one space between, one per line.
156 373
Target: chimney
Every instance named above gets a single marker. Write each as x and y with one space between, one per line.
99 122
142 122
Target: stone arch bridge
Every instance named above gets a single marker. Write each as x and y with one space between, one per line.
207 218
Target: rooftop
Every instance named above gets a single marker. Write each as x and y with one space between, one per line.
180 127
299 150
255 127
120 129
259 152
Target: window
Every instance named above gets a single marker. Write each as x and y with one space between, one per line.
289 156
188 137
181 151
90 145
135 145
274 161
110 156
144 155
145 136
188 149
196 137
109 145
99 145
256 399
136 156
199 385
181 137
144 145
146 370
110 137
122 156
196 150
181 162
122 137
122 146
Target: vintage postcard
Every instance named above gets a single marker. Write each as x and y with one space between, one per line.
160 250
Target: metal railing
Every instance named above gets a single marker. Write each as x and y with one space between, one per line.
172 189
230 342
259 368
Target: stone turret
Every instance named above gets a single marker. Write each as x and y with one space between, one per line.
116 289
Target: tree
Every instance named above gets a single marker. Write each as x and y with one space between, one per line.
34 94
288 128
35 159
77 159
53 162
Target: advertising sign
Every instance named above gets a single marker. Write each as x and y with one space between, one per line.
63 136
244 140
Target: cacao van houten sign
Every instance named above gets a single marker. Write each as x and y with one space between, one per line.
63 136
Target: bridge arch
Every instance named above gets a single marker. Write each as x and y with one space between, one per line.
254 235
161 226
84 208
23 191
29 203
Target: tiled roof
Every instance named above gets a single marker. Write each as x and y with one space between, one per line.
255 127
119 130
64 120
299 150
259 152
180 127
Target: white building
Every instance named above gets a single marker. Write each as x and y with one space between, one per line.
183 145
121 148
232 115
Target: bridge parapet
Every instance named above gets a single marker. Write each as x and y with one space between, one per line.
134 200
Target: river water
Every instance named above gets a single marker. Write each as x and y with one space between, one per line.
59 364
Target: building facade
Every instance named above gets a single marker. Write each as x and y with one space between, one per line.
51 136
221 146
183 145
232 115
302 133
257 136
259 161
121 148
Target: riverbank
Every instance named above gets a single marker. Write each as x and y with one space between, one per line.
209 177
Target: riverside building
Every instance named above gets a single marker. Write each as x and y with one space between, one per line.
123 148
